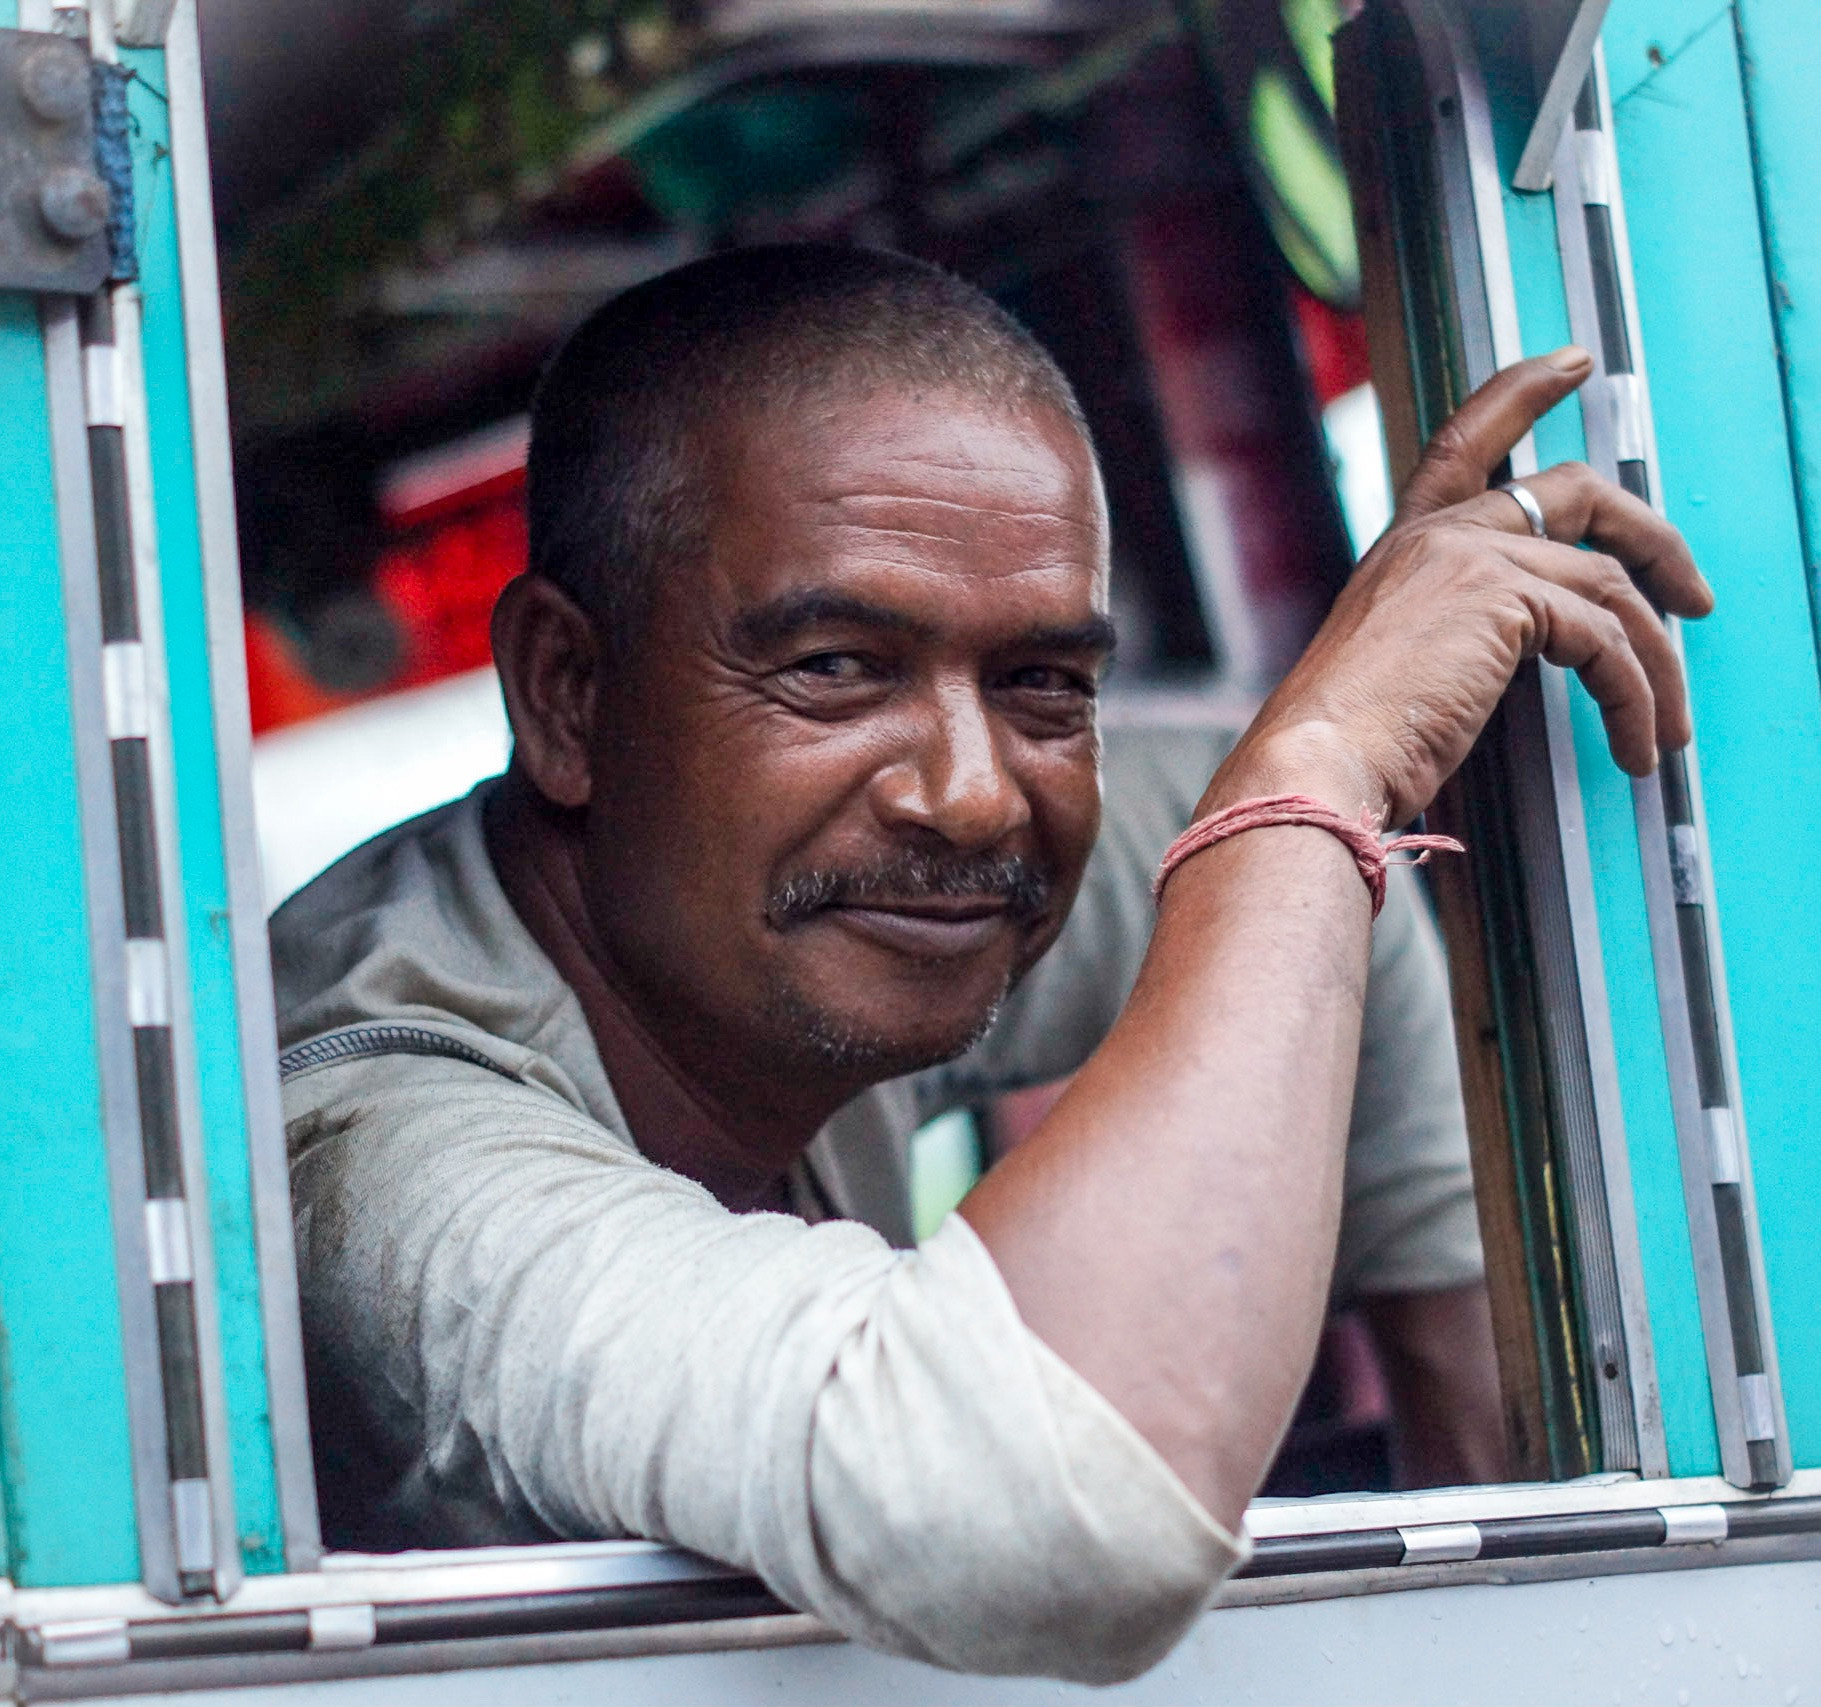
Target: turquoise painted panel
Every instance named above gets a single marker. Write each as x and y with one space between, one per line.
199 826
9 19
1650 1134
1780 52
1664 1248
65 1449
1698 250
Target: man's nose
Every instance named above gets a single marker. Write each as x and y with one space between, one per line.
951 778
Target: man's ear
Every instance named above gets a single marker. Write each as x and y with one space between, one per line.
548 654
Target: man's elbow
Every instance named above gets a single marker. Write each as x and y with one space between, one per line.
1074 1579
1081 1620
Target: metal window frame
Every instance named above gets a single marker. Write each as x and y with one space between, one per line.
1683 920
107 934
251 955
84 394
1678 871
1549 814
101 432
193 1207
363 1615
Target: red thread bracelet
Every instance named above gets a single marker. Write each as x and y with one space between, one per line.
1360 834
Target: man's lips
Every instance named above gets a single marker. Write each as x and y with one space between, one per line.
937 927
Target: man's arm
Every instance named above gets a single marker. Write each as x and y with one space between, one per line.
532 1332
1128 1232
1410 1261
1184 1275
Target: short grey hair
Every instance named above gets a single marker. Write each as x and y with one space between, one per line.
616 490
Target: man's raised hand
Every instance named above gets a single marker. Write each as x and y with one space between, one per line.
1417 650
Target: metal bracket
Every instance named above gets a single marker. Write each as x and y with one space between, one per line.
53 205
1563 36
143 23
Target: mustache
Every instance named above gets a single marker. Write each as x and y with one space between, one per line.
914 875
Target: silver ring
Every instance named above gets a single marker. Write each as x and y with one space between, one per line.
1526 501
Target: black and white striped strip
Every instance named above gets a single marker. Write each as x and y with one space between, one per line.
1533 1537
148 969
1597 164
92 1643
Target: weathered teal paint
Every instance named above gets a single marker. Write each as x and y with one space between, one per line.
1780 53
1780 57
200 830
64 1442
1612 844
1698 251
9 19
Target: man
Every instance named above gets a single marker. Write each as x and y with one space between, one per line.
805 779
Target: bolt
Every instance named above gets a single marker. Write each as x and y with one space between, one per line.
74 203
54 79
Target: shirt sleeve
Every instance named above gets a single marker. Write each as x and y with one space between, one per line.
534 1320
1409 1222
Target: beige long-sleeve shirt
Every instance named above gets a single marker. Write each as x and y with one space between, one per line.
519 1327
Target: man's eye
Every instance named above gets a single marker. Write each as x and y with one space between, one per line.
1051 679
831 667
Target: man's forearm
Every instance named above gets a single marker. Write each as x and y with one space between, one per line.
1169 1229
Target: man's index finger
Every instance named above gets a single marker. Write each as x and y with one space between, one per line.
1479 435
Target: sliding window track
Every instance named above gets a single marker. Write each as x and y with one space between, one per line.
1672 839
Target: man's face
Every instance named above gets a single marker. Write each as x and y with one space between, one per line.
845 793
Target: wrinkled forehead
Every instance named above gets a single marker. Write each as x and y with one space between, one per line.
929 482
